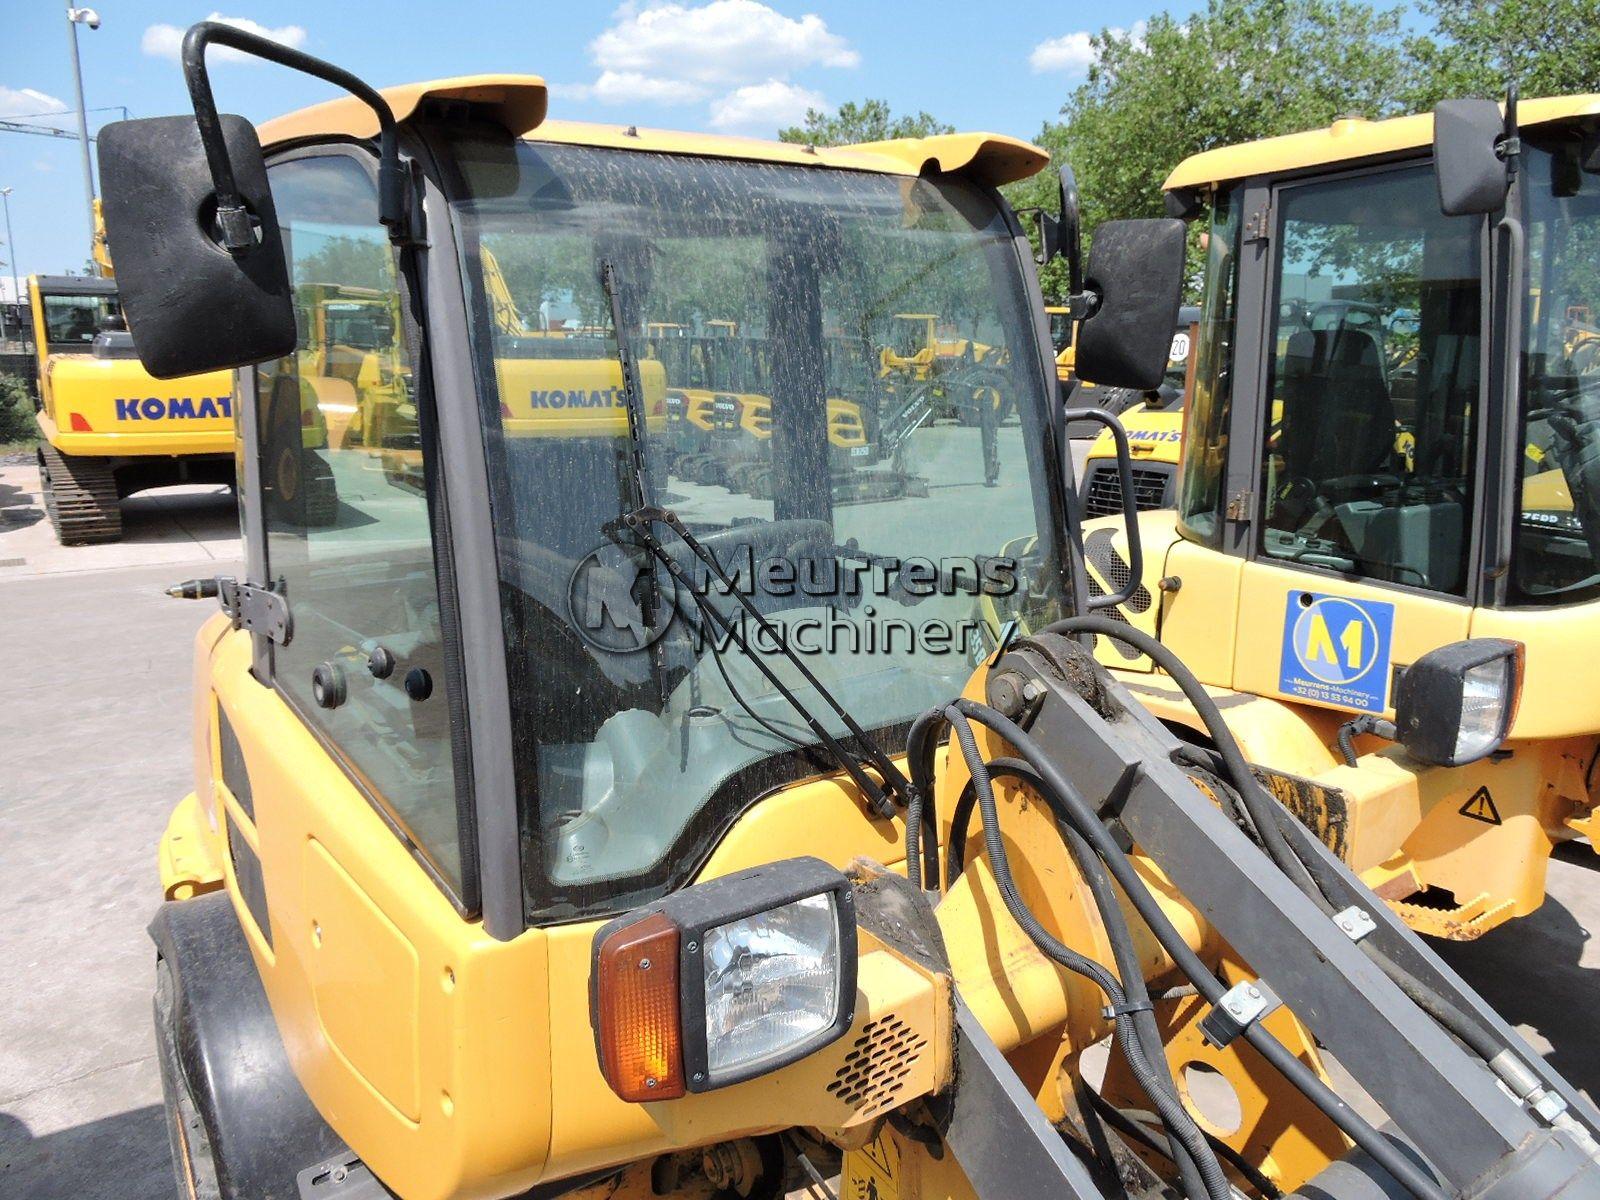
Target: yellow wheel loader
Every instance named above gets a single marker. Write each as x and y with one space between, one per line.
107 428
1388 449
557 832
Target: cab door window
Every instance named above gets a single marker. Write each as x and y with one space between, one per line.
348 529
1375 362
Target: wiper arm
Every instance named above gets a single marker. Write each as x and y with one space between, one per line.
641 523
630 382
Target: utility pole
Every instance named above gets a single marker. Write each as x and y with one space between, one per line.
11 248
76 17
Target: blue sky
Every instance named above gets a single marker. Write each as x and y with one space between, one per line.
741 66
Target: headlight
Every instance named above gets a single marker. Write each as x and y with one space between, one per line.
1487 701
724 980
771 984
1456 704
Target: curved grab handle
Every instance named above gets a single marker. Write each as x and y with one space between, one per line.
1130 507
232 216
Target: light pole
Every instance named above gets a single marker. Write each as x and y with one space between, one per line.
11 247
76 17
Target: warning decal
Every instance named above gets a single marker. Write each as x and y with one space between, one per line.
1480 807
1336 650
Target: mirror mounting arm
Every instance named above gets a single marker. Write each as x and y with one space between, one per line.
233 218
1510 146
1081 305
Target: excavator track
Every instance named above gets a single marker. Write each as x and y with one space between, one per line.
80 498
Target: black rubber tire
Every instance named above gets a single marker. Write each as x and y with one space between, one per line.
80 497
194 1170
322 495
302 487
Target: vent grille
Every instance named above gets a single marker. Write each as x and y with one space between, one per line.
874 1073
1102 495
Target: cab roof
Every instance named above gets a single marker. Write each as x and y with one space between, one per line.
520 102
1347 139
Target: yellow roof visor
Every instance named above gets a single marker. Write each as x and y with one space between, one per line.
1349 139
519 103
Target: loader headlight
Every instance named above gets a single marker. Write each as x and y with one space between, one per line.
1456 704
725 980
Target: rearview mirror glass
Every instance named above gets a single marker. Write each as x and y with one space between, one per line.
1472 175
190 304
1136 271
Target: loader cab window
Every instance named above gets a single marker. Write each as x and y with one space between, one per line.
796 416
1205 443
1060 330
1370 416
348 532
1557 532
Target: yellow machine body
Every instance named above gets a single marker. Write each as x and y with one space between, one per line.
457 1065
111 407
1455 850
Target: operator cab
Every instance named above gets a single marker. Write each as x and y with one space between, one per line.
1360 431
599 286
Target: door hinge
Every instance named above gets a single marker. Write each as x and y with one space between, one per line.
263 610
1258 226
1241 505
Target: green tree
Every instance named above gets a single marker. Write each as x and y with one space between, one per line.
349 261
1549 47
1236 71
16 413
869 121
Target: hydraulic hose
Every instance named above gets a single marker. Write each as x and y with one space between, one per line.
1059 792
1197 1165
1308 872
1258 805
922 859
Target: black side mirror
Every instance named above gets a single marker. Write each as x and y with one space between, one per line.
1456 703
191 305
1469 159
191 226
1135 279
1071 227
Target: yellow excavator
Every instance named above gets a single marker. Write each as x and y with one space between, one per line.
107 427
560 831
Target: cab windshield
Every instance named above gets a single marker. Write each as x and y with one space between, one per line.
71 321
1557 534
881 512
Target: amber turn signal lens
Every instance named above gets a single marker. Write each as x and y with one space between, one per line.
636 994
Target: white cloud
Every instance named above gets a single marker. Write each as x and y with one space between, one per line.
722 42
18 103
764 107
1072 53
627 87
165 41
43 165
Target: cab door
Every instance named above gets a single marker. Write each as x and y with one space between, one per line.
353 858
1361 484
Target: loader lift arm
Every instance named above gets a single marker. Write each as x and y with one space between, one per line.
1055 706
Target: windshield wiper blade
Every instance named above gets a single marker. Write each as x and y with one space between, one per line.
630 382
641 523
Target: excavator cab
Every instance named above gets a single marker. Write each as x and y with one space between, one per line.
565 828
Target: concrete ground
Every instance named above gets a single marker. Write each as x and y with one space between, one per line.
95 737
94 742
